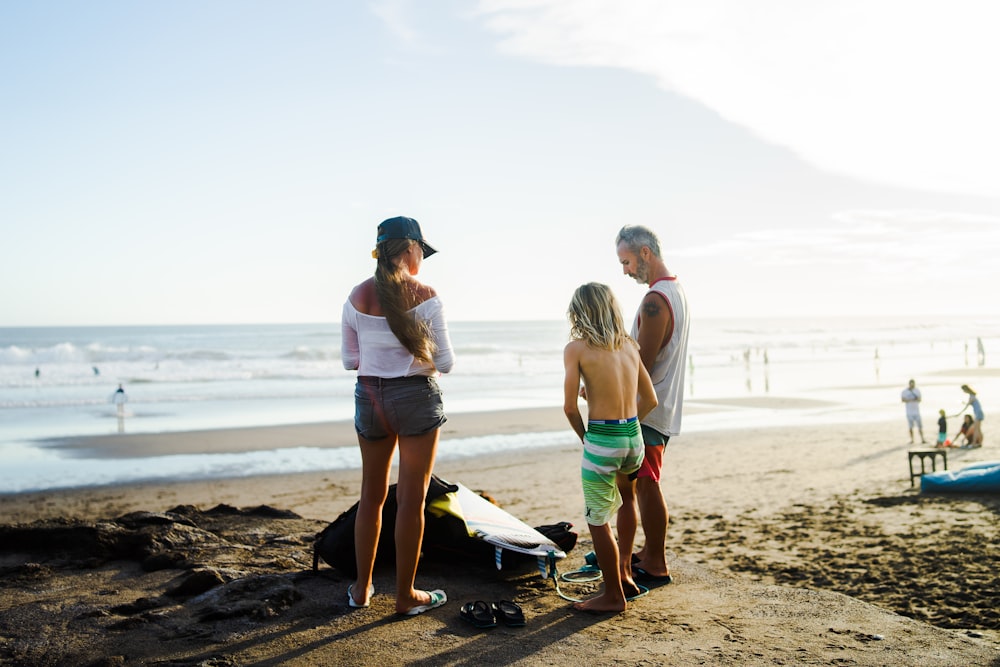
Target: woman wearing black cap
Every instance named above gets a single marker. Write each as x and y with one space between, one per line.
395 336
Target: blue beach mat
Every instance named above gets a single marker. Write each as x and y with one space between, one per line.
976 478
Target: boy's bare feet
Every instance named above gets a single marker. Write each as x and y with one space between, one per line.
602 604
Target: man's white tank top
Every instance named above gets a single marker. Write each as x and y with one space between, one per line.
668 370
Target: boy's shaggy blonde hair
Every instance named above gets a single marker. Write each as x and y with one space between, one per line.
595 317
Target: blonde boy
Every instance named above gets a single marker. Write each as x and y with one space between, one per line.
619 393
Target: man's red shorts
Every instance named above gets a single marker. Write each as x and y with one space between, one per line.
652 462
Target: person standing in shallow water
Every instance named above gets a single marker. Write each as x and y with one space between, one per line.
120 398
911 397
395 335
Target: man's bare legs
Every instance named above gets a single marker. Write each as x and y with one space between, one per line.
654 514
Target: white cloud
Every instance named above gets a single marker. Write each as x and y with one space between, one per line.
954 221
877 240
395 15
892 91
861 262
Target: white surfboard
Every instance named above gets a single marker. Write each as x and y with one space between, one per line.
498 527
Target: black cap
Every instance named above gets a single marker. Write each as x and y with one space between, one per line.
403 228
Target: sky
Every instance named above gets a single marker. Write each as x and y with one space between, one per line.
228 162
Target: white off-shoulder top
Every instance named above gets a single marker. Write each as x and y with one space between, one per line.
369 346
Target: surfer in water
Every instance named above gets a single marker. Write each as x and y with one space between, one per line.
394 334
619 393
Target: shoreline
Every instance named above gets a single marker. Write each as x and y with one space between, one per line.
325 434
340 433
843 458
329 447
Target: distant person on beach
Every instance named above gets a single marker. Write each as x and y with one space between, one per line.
395 335
911 398
120 398
619 393
966 430
977 415
661 328
942 428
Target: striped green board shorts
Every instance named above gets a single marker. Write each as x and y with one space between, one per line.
609 447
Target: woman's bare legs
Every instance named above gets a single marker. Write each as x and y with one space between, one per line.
416 461
376 460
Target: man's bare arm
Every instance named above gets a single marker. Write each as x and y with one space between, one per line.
647 394
655 326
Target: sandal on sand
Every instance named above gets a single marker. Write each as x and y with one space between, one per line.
640 575
640 591
509 612
438 598
479 614
355 605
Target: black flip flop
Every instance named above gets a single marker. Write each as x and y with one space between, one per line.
509 612
650 580
640 591
479 613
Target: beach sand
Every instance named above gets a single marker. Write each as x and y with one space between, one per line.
795 545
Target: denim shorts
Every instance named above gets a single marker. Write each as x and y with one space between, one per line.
404 406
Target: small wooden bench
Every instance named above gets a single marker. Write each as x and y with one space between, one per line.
925 454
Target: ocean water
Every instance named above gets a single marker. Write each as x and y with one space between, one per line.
58 382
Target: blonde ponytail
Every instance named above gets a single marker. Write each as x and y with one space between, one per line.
396 301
